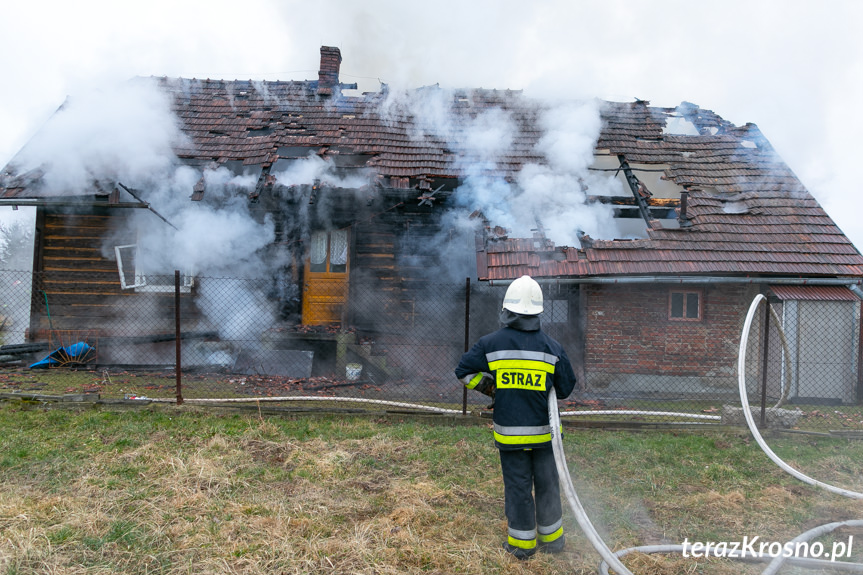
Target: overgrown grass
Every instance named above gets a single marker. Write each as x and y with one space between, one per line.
175 490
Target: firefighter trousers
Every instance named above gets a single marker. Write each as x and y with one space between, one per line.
531 497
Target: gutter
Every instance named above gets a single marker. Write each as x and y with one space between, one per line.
853 283
88 203
37 202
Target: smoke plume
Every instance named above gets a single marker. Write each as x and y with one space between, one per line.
124 132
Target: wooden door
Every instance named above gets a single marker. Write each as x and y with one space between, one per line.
325 288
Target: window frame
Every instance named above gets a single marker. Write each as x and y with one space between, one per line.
187 279
685 293
329 244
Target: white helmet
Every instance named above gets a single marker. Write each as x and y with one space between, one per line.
523 296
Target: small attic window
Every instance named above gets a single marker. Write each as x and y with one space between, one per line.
679 126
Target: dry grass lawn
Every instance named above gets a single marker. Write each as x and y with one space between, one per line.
191 491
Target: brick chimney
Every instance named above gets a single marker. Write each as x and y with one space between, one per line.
328 75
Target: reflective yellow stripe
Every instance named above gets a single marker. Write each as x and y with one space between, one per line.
551 536
521 439
522 364
474 381
521 543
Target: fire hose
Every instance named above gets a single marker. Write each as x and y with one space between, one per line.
611 559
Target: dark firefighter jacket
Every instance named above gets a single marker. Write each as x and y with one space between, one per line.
524 363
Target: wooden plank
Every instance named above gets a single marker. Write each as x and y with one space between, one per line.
81 267
59 253
630 201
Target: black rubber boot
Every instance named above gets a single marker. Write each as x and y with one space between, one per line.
555 546
518 552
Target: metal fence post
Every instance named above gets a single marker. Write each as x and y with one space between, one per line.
466 337
860 356
765 357
178 353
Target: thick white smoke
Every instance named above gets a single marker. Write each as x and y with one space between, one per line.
314 168
124 132
555 192
217 237
549 195
127 133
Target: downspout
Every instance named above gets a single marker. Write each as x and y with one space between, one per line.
857 290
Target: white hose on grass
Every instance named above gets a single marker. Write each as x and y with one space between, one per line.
807 562
641 412
750 422
424 407
584 522
780 559
312 398
612 559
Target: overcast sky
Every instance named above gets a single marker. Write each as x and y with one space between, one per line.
794 68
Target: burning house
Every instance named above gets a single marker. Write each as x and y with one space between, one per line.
651 228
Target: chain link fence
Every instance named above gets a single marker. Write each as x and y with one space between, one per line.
802 366
226 340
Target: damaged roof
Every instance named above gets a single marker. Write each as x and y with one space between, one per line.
744 212
262 122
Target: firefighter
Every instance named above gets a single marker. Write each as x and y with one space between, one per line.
518 366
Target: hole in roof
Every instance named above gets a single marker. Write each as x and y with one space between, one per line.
748 144
679 126
735 208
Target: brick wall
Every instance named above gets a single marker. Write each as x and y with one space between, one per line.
628 331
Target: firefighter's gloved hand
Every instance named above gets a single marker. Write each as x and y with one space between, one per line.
486 385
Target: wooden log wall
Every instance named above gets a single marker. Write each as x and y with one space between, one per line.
395 253
77 284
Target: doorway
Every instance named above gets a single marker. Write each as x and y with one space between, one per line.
325 287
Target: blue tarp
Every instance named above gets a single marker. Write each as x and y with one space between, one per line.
70 353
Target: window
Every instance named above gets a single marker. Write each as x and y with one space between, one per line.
684 305
329 252
132 276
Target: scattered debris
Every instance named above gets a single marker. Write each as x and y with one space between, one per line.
776 417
